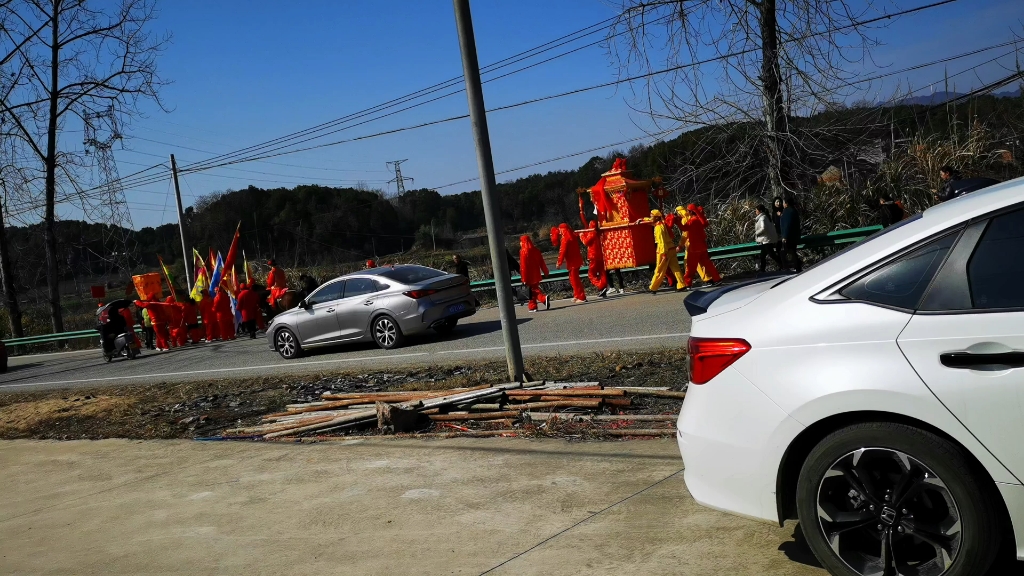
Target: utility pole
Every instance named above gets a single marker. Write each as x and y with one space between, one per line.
181 226
492 213
432 239
399 180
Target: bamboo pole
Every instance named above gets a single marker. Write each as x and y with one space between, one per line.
476 416
651 392
639 432
569 392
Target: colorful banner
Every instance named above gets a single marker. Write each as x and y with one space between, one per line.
168 277
218 274
148 286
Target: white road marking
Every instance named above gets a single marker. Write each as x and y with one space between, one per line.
338 360
596 341
308 363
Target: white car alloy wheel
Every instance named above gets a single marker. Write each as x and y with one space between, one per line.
884 512
287 346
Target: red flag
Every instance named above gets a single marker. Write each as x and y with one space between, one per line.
229 260
211 261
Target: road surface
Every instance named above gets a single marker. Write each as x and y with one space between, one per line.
628 322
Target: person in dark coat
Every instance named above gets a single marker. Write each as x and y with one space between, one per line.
949 176
308 284
889 212
776 216
789 222
461 266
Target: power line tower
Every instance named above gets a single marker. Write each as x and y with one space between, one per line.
109 206
399 180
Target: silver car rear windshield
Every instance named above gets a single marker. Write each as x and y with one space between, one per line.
412 274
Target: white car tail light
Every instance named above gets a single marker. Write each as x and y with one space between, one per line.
709 356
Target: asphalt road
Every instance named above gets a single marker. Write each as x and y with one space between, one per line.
628 322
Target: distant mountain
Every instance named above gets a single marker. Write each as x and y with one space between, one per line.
940 97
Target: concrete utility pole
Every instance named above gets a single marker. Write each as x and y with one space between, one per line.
399 180
181 226
492 212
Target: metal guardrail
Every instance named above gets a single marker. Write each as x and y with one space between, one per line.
721 253
836 238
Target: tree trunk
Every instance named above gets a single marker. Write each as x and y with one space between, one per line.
10 292
771 90
49 225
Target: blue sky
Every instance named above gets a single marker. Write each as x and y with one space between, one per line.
247 71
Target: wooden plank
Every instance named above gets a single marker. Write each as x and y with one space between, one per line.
657 393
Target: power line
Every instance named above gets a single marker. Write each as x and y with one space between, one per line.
140 181
583 32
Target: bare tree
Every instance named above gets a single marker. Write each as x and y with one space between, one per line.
742 70
72 58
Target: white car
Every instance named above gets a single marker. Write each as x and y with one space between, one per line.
878 397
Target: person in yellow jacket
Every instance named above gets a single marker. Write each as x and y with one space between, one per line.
666 256
684 244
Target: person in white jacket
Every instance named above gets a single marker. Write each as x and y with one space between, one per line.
766 236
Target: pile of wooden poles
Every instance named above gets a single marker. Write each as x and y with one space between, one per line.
502 405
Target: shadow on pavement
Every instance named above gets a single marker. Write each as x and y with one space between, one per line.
797 550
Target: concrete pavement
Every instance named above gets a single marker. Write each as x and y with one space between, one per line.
467 506
630 322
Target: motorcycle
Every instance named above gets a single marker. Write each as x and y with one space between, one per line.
116 337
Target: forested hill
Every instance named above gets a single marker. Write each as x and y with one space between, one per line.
310 225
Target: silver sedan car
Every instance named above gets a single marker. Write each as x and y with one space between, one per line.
383 304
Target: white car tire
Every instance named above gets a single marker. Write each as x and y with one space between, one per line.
879 492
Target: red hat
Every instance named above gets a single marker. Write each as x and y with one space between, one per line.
691 207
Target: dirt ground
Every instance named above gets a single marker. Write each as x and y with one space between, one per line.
201 409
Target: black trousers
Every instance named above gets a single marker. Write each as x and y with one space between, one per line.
249 327
768 250
790 259
612 275
150 335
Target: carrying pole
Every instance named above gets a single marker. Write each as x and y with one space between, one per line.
492 213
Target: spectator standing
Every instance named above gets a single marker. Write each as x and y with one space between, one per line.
889 212
789 222
776 216
461 266
766 237
308 284
147 329
949 176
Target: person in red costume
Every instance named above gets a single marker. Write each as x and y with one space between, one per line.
159 316
126 313
209 318
225 318
175 323
249 305
277 282
595 259
569 254
190 318
696 246
531 268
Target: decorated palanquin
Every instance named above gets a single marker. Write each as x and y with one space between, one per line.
619 202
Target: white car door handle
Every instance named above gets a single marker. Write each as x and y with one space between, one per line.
967 360
368 302
329 310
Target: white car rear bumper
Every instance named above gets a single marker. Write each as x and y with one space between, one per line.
732 438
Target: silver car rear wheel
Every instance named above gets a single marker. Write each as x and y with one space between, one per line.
287 344
386 333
